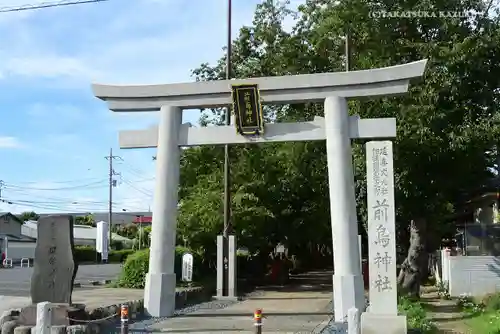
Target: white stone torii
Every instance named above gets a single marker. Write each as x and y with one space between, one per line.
336 127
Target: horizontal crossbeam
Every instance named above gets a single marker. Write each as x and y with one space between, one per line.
273 90
275 132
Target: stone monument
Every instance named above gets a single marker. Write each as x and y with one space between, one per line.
381 243
54 268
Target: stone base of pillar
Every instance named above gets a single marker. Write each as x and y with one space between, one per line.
159 295
348 292
391 324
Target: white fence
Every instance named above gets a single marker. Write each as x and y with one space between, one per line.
473 275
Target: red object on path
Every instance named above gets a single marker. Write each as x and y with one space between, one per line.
275 271
257 316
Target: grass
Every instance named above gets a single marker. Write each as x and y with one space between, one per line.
484 312
485 323
416 315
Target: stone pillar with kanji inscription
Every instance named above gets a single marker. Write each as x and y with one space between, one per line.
381 241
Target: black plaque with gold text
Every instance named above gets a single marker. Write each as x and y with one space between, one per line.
247 109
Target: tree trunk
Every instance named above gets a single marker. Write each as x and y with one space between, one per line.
415 264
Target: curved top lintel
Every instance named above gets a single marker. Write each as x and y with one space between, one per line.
379 81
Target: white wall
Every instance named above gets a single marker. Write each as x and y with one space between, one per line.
474 275
19 250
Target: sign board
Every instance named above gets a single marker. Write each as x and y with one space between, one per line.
187 267
102 231
247 109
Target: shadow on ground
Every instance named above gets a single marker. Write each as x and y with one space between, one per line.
215 318
310 281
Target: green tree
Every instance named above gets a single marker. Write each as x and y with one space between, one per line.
87 220
29 215
127 231
448 125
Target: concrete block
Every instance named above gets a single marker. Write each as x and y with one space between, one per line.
23 330
159 294
59 329
58 314
353 321
9 327
388 324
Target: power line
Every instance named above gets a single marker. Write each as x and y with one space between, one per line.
66 208
142 191
49 4
134 170
84 180
91 185
46 195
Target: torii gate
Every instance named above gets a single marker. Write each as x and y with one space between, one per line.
336 127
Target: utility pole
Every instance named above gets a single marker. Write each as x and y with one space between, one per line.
227 175
1 187
112 184
348 52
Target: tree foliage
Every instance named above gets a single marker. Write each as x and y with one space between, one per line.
29 215
448 124
87 220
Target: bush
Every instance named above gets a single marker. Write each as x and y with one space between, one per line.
89 254
117 244
137 265
86 254
134 270
119 256
491 302
416 315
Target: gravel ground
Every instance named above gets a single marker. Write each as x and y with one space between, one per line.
142 324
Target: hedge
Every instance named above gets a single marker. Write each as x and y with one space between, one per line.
136 267
89 254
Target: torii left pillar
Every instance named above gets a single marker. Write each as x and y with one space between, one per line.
161 280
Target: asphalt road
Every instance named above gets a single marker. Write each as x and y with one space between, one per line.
16 281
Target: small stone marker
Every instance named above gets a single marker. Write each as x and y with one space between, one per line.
187 267
353 325
54 268
381 228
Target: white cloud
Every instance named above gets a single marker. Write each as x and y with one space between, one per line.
145 41
48 66
10 142
130 42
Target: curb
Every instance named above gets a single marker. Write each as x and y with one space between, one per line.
91 283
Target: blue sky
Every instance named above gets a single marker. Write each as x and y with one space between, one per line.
55 134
